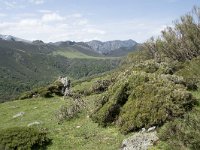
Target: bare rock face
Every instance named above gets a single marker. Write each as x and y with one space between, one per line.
140 141
105 47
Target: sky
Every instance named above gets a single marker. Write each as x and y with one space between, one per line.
85 20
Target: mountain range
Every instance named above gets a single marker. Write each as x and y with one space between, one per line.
111 48
26 64
12 38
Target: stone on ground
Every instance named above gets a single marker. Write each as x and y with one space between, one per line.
140 141
20 114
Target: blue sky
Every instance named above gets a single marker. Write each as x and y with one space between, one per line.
84 20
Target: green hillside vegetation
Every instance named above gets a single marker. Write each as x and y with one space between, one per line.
72 54
23 138
191 70
67 135
25 66
82 133
163 90
78 50
149 89
180 43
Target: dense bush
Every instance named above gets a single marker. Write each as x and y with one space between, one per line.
182 133
69 110
182 42
191 72
27 95
45 93
110 110
154 103
23 138
143 99
138 56
53 89
100 86
56 88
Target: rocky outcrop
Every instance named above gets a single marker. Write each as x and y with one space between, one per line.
106 47
140 141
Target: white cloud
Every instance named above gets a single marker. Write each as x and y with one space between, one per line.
51 17
13 4
49 25
76 15
44 11
37 2
16 4
138 29
82 22
10 4
94 31
28 23
52 26
2 15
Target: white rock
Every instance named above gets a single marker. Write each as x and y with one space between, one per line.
143 130
151 129
33 123
78 127
20 114
139 141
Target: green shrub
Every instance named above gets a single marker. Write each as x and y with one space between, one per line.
191 73
181 42
28 95
23 138
151 66
153 104
182 133
47 92
138 56
142 99
100 86
69 110
56 88
110 110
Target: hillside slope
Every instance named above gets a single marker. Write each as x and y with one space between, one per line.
81 132
25 65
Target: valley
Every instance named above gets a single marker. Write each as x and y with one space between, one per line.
25 65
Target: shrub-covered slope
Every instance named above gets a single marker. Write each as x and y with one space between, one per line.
143 96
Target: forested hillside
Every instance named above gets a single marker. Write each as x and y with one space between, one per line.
25 66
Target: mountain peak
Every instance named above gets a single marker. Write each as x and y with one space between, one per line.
12 38
38 42
105 47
